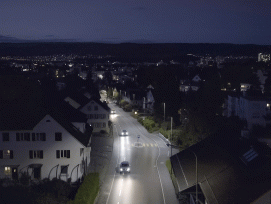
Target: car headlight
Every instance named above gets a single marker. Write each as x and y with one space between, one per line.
128 169
121 169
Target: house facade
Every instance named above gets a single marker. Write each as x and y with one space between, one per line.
52 148
250 109
97 114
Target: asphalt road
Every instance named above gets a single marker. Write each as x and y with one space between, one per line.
149 180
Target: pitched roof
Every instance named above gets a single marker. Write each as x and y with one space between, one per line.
224 175
19 117
104 105
81 137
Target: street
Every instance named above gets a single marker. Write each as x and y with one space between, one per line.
149 180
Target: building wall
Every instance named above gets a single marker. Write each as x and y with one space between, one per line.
97 117
253 111
21 155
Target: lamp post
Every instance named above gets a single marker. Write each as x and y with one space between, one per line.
144 104
164 112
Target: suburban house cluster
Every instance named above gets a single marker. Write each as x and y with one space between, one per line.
53 142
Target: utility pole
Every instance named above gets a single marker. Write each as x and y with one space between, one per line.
164 112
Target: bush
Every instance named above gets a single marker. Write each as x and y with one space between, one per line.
128 107
88 191
24 178
148 124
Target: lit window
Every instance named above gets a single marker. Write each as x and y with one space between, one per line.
6 154
7 171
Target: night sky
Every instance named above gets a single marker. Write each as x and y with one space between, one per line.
160 21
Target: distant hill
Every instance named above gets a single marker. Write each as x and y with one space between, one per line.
133 51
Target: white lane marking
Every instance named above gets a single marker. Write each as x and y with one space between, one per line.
168 153
159 173
120 193
113 177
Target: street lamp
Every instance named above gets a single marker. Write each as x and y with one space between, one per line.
164 112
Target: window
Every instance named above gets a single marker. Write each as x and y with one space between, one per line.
7 170
104 125
42 137
89 108
36 154
89 116
62 154
58 136
95 107
64 169
5 136
38 137
6 154
23 136
96 116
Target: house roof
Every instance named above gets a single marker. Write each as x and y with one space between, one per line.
225 175
102 104
81 137
20 117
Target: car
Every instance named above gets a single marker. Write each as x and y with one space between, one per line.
113 111
124 133
125 167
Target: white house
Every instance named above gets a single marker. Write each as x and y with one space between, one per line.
47 147
194 84
250 109
96 112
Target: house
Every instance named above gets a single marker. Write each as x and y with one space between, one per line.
222 169
193 84
149 101
253 110
43 145
96 112
133 97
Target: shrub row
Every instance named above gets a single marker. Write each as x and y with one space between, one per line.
88 191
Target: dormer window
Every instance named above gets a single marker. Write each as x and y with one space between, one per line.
96 108
89 108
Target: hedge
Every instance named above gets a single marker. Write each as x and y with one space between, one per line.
88 191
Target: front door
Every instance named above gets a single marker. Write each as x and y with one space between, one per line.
37 172
15 173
